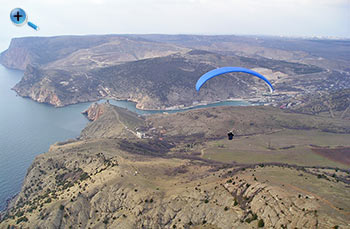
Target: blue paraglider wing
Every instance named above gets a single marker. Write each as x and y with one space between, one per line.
207 76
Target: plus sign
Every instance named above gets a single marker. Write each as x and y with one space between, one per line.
18 16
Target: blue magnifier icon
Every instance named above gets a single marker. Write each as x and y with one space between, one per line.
19 17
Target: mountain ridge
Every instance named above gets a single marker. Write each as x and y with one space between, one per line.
149 83
72 69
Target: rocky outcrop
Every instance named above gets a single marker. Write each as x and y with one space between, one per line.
94 111
276 206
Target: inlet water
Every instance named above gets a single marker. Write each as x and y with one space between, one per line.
28 128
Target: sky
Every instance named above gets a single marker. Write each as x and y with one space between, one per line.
240 17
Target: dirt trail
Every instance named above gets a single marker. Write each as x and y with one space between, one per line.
125 127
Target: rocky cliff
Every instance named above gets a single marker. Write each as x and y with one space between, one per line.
94 111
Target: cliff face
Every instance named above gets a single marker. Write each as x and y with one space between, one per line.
17 56
94 111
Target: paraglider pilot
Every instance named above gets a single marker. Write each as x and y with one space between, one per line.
230 135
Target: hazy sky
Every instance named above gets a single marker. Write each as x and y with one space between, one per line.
268 17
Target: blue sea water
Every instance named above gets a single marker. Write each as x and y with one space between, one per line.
28 128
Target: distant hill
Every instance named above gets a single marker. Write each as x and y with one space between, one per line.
320 52
160 71
154 82
81 51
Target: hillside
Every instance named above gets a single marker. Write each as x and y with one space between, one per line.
335 103
142 68
331 54
162 82
113 122
81 51
110 179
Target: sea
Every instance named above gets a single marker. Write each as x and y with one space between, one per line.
28 128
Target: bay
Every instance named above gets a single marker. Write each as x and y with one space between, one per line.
28 128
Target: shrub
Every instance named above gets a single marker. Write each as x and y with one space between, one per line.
255 217
84 176
61 207
19 213
261 223
105 221
22 219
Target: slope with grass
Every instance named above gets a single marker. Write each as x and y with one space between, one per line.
109 178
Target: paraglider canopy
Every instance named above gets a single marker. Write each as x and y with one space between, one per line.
207 76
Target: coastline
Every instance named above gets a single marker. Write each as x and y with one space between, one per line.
10 200
248 101
8 203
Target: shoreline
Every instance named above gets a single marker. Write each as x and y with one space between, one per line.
248 101
8 202
184 108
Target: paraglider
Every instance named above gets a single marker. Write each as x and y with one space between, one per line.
207 76
230 135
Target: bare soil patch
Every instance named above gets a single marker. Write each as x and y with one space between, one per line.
339 154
